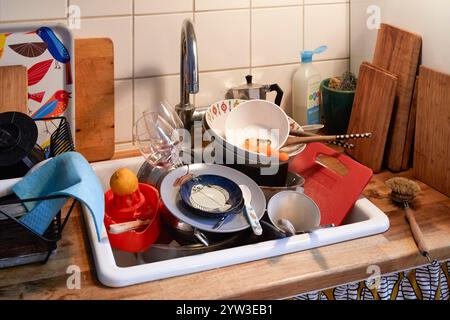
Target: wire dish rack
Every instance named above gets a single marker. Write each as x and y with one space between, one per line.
19 244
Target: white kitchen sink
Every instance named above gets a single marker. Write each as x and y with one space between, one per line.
118 269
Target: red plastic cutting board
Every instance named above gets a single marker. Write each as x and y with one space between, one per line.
334 194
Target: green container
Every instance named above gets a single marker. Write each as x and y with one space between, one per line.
336 108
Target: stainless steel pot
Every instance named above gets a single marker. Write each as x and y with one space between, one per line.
251 91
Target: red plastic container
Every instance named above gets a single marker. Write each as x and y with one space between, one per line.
143 204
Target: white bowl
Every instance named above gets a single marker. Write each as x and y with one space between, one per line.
299 209
215 121
257 119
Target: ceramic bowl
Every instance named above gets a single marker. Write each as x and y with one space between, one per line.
299 209
215 121
259 119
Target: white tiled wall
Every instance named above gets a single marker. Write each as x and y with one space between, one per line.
235 37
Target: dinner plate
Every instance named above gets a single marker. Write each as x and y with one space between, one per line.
171 198
211 195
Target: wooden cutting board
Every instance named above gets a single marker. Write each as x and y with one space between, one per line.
94 87
432 142
398 51
371 112
13 89
408 151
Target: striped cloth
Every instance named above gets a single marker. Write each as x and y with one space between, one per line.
430 282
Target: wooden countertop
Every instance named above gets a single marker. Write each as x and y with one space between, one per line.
274 278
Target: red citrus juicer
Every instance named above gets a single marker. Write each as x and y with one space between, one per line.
142 204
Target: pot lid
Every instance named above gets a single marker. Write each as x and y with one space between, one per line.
249 84
18 136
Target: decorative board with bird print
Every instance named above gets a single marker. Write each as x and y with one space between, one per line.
47 53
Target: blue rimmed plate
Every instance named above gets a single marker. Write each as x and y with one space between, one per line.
171 198
211 195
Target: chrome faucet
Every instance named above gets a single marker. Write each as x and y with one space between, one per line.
188 73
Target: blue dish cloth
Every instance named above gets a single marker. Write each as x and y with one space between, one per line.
68 174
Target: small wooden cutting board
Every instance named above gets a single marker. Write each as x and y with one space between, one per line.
398 51
432 144
94 86
371 112
13 89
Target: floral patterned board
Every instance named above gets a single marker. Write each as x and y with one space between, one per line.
47 52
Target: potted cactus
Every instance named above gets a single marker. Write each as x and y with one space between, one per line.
337 95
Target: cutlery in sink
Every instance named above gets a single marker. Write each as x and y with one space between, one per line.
290 230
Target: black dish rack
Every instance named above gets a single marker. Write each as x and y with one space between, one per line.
19 244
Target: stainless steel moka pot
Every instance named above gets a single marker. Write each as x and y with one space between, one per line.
253 91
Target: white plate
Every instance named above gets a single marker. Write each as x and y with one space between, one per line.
234 223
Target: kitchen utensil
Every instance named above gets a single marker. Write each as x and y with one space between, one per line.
339 138
408 152
398 51
342 144
143 205
211 195
94 67
296 207
123 227
235 222
431 149
372 110
257 119
335 194
13 89
250 212
313 128
290 230
157 136
18 149
404 192
251 91
46 52
183 232
295 133
160 252
293 182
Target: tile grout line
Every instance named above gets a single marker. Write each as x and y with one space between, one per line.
235 68
194 96
304 27
251 37
174 12
133 100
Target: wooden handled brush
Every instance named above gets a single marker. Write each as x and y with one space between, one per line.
403 192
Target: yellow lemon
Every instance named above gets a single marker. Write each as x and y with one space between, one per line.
123 182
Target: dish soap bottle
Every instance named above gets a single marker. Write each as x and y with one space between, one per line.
306 90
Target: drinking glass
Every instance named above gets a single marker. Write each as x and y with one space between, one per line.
157 137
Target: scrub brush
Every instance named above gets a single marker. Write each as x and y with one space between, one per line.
404 192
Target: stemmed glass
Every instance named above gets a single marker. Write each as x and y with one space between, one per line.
157 136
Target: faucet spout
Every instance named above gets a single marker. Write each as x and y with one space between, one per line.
189 82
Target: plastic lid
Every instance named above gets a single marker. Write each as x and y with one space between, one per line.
306 56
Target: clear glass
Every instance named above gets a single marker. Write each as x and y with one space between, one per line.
157 137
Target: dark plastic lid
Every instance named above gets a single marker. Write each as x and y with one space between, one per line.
18 136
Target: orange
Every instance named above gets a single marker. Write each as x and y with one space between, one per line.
123 182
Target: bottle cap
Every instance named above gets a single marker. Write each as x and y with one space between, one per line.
306 56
